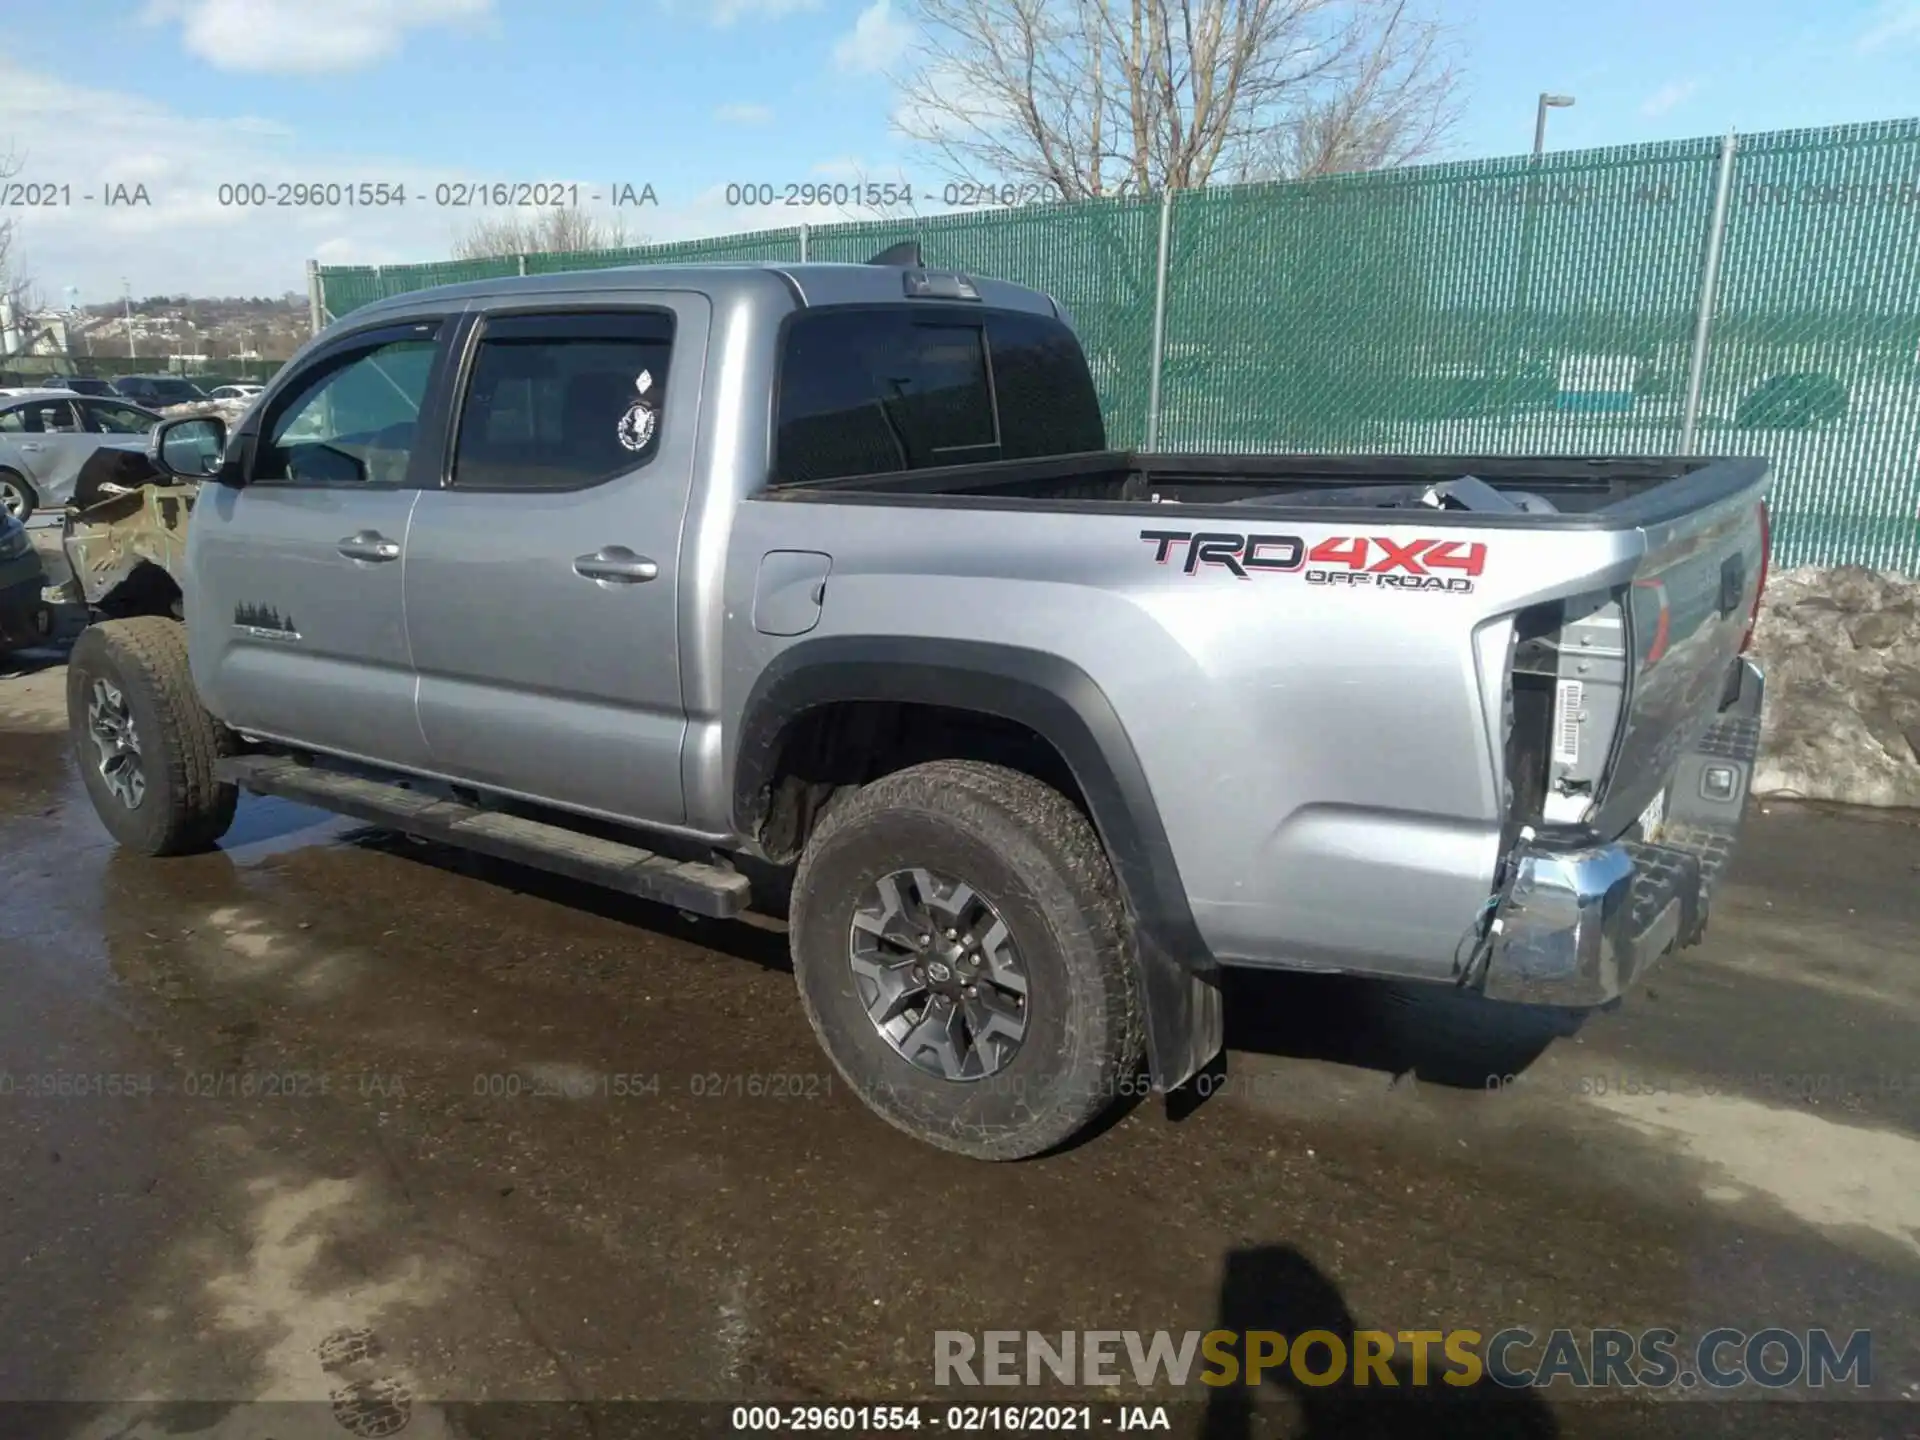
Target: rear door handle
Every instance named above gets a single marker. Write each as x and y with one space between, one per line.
369 545
32 445
615 563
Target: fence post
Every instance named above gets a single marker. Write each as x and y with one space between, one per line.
1709 284
803 244
316 297
1159 320
523 264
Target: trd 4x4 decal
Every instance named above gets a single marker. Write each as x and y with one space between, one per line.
1376 561
1237 553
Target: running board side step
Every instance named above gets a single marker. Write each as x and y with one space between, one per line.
701 889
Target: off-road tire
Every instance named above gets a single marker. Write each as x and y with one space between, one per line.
30 498
1026 848
185 808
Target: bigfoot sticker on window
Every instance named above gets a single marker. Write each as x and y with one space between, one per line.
641 420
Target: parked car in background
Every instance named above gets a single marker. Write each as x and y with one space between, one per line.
158 391
81 384
47 435
24 618
235 392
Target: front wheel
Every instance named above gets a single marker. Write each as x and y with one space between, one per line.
145 745
965 960
17 496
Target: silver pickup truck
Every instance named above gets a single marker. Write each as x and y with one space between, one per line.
817 588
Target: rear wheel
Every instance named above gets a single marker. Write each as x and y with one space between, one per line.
963 956
17 495
145 745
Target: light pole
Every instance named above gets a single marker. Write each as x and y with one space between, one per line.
1547 102
126 292
1529 217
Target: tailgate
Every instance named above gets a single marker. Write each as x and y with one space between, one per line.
1673 637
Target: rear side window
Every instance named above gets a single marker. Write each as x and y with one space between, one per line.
40 417
561 402
870 390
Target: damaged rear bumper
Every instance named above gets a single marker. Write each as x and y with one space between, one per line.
1579 927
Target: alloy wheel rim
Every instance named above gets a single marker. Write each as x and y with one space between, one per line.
110 726
13 499
939 974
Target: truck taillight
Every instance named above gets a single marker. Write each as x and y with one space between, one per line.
1766 563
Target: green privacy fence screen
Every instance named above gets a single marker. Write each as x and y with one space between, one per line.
1509 306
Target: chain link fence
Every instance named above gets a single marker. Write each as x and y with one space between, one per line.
1758 296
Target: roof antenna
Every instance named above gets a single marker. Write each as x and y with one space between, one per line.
906 253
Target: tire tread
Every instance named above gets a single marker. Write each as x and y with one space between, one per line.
199 806
1075 885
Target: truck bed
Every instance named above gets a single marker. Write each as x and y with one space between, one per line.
1583 492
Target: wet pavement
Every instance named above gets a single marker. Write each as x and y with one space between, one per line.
331 1113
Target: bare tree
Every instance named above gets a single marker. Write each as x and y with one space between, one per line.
1126 97
1391 101
542 232
14 287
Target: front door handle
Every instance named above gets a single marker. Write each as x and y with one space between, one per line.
369 545
31 445
615 563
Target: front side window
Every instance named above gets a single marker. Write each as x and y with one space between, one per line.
563 401
354 422
105 418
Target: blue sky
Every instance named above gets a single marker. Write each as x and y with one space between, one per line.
687 96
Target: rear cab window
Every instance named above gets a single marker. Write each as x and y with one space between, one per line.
106 418
866 390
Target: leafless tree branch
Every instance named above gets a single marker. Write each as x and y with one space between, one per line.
1126 97
11 165
551 231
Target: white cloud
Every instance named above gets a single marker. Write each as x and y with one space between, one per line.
1896 23
302 36
1669 96
186 241
744 114
877 41
727 12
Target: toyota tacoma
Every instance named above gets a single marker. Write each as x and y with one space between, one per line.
819 589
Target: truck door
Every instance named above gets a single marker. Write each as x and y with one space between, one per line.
294 605
541 575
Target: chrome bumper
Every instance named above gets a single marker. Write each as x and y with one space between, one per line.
1579 927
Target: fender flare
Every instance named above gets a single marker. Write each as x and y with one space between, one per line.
1063 705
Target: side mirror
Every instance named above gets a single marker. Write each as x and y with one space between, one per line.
190 448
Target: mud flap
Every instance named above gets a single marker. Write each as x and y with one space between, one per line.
1186 1018
1706 803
